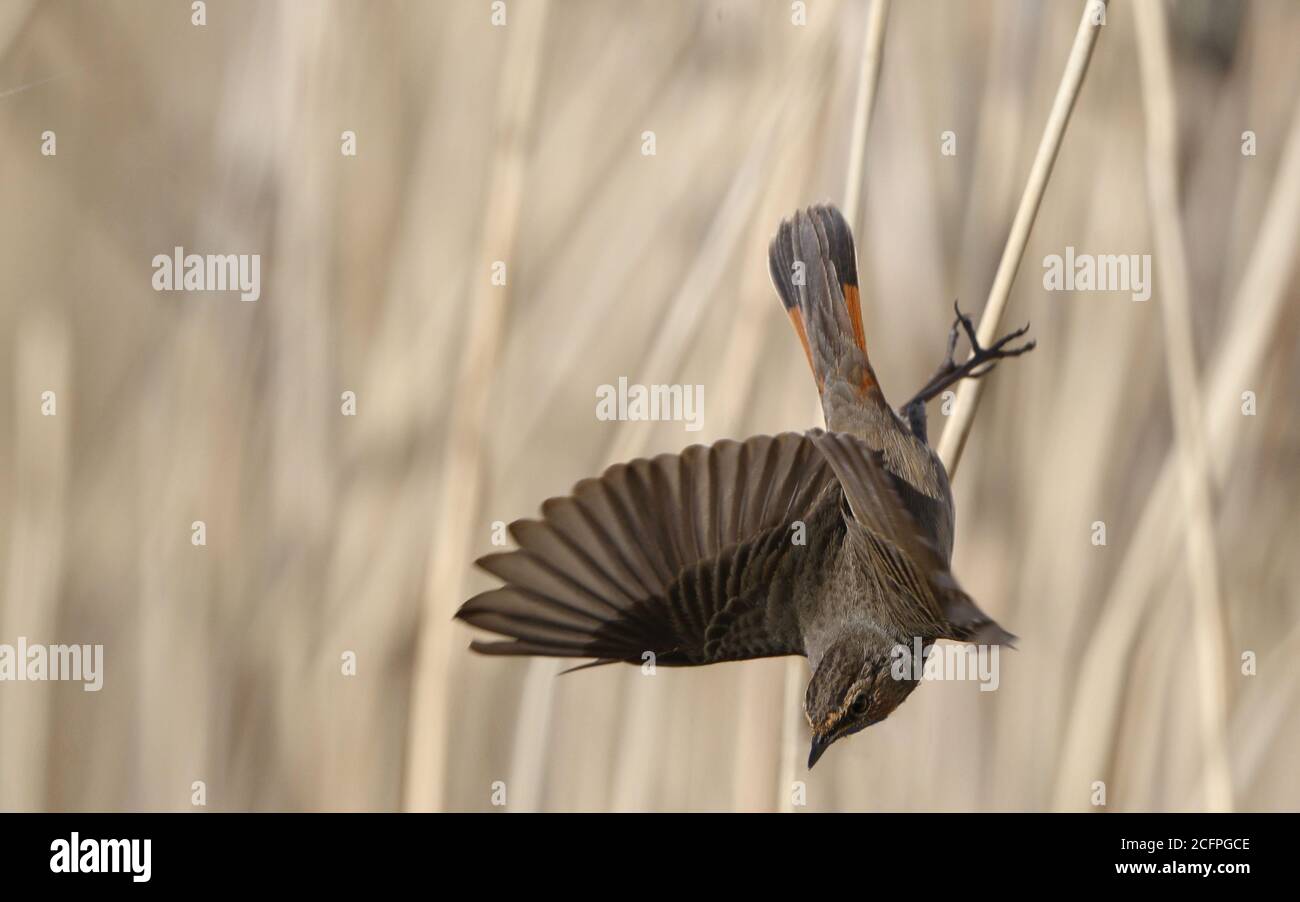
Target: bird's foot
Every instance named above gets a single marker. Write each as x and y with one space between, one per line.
980 361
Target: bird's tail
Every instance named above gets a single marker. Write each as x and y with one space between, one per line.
815 273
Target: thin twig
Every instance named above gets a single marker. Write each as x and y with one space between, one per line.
1085 38
1184 397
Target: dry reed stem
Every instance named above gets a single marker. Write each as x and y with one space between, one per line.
426 758
955 433
1257 306
1184 396
873 44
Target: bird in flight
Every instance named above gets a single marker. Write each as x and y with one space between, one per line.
833 544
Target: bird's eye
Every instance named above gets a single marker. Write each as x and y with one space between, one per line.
858 707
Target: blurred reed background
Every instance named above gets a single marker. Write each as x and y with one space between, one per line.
328 533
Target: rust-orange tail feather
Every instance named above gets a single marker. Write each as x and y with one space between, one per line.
816 275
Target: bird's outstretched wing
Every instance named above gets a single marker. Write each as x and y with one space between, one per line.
672 555
911 571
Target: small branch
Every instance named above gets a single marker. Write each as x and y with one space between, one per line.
968 395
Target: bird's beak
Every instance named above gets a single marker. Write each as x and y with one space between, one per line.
819 746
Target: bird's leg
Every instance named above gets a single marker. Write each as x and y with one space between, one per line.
980 362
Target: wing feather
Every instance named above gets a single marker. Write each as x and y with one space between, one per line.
670 554
897 548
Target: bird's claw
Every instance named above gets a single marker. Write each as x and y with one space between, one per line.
980 361
981 355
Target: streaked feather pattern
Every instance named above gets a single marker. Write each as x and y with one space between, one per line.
690 556
671 555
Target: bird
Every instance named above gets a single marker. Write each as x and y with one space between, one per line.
834 544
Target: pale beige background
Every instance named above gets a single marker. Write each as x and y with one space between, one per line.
328 533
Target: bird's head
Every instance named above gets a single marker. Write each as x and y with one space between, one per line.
857 683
